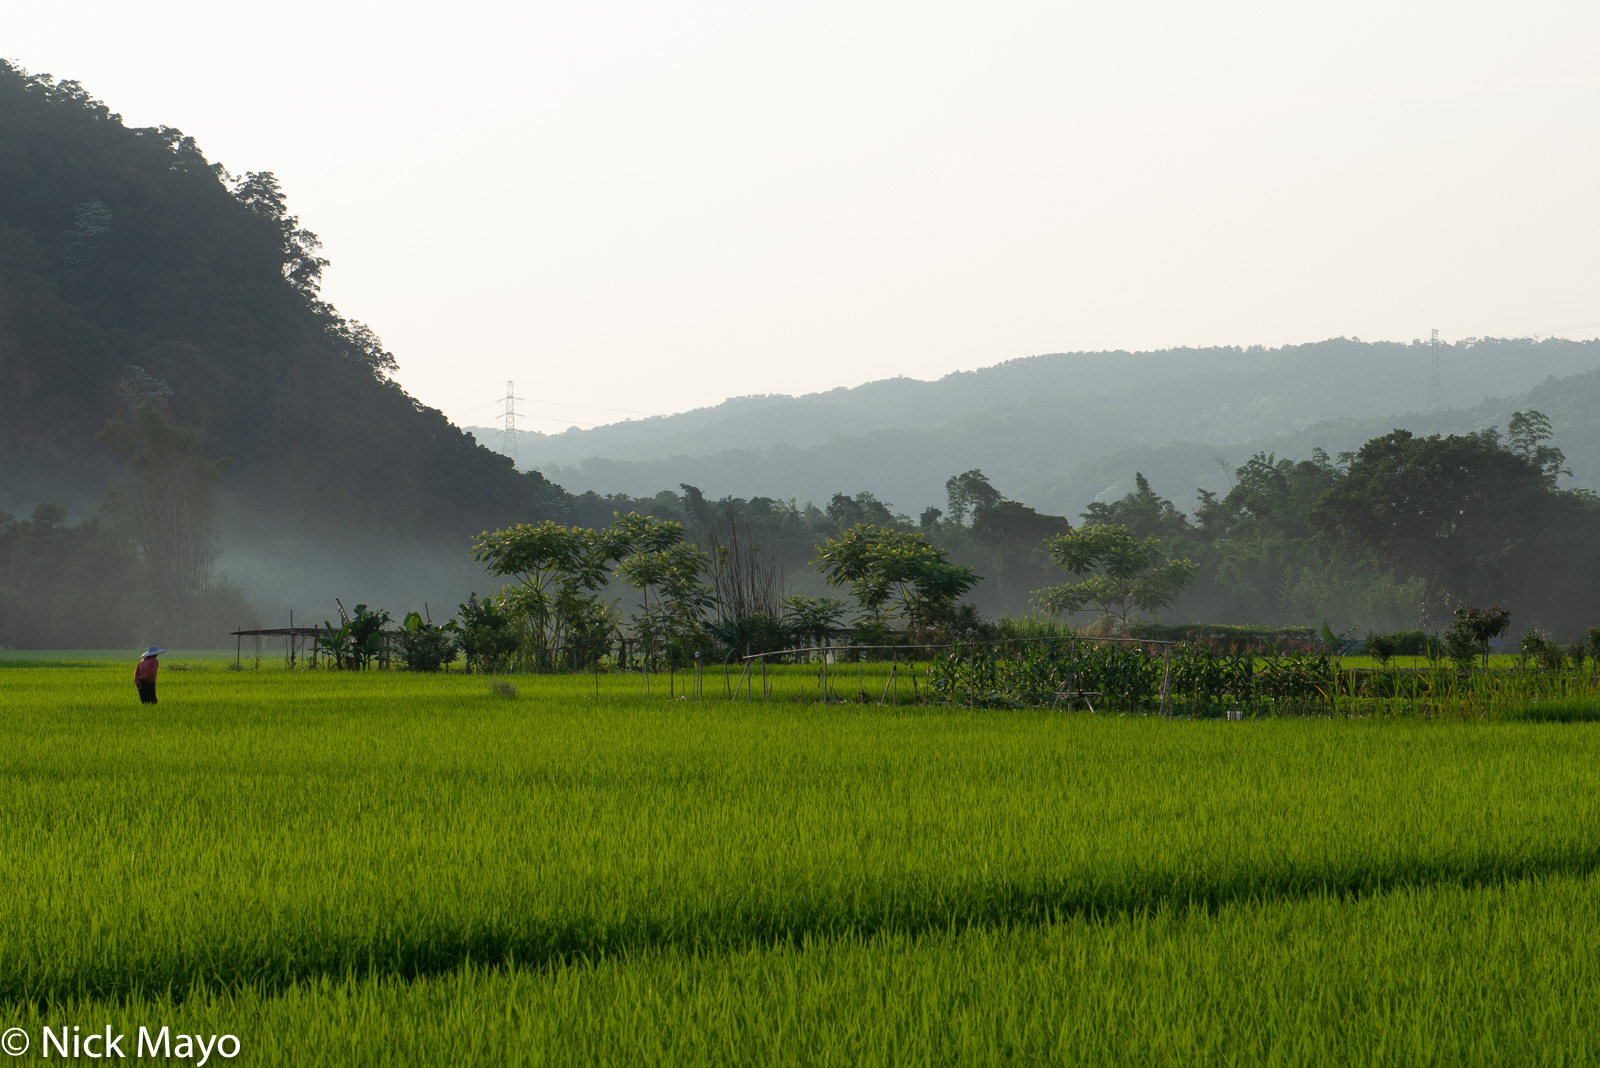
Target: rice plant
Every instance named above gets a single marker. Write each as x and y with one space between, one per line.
414 869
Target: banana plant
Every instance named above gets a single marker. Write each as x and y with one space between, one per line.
358 641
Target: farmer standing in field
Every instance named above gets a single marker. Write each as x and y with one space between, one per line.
144 676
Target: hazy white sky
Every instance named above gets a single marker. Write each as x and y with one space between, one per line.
644 207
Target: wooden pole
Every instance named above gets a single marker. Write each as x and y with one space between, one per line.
1166 680
1072 673
972 678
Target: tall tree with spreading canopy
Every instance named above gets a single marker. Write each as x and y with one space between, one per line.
669 574
895 575
1118 572
559 572
1453 510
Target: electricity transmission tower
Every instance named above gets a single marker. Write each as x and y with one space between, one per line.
510 446
1435 387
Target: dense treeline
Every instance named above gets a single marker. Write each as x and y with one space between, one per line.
1391 537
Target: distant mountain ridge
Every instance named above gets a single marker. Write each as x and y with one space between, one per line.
1029 423
1177 470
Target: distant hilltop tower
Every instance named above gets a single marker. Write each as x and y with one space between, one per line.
1435 386
510 446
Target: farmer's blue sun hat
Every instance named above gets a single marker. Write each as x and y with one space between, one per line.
152 651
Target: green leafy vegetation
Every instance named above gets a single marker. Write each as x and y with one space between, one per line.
427 646
357 641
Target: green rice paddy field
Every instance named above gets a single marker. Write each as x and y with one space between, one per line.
392 869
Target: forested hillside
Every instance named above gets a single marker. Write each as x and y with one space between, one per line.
125 255
139 279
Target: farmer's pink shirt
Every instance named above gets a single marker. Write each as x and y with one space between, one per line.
146 671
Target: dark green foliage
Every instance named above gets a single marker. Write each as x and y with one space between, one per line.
1382 648
1012 539
1461 647
1526 435
811 619
147 553
167 501
1468 516
968 492
84 585
559 572
1225 636
486 635
1480 626
1143 512
1415 643
896 576
1117 572
670 574
1535 649
66 585
357 641
1128 677
427 646
1270 497
750 634
848 511
1556 710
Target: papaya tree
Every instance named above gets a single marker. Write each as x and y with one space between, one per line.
895 576
669 573
1117 572
559 572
